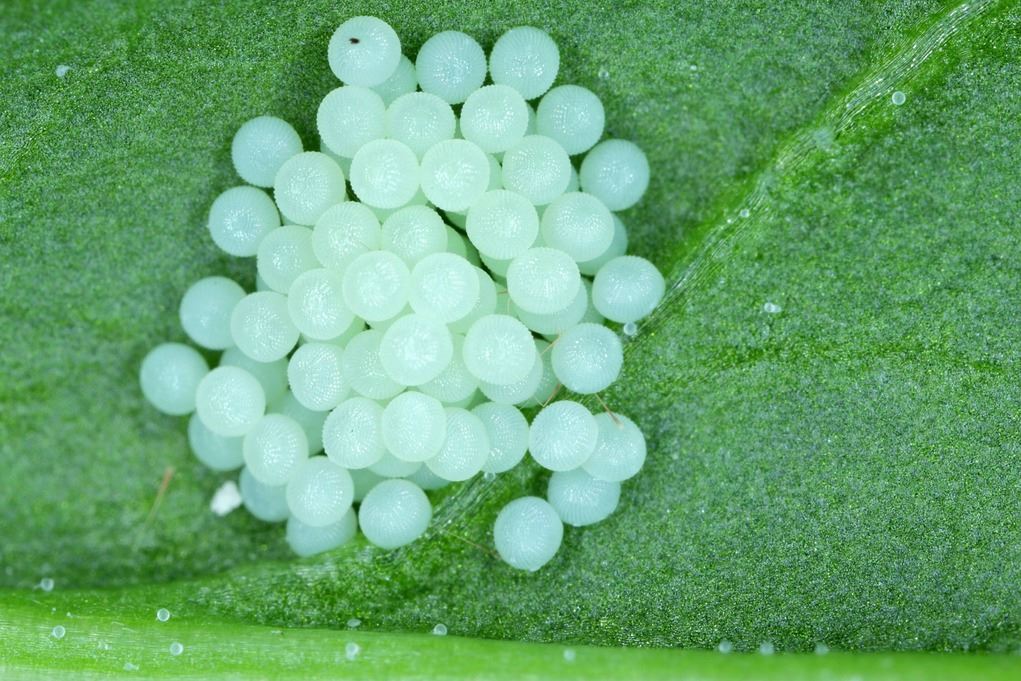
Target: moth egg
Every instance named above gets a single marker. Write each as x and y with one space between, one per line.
319 492
563 436
261 146
455 383
364 51
268 504
316 306
169 376
385 174
587 358
420 120
455 173
391 467
579 225
352 433
230 401
499 349
627 289
306 540
239 218
451 65
261 326
345 231
444 287
508 435
274 447
502 224
525 58
413 232
537 168
205 311
557 322
414 426
364 480
376 285
485 305
528 533
465 448
363 368
543 280
310 421
579 499
401 82
617 248
283 254
616 172
620 449
272 376
415 349
315 373
394 513
573 116
518 392
427 480
494 117
306 185
216 452
341 341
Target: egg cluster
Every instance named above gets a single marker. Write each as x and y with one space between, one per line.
397 331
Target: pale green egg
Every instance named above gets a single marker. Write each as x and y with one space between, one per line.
261 326
215 451
420 120
563 436
507 429
579 225
502 224
229 401
261 146
239 218
306 185
444 287
414 232
352 433
455 383
499 349
415 349
274 448
283 254
401 82
587 358
394 513
272 376
316 305
319 492
316 375
306 540
350 117
364 51
494 117
451 65
455 173
620 449
528 533
268 504
617 248
363 368
627 289
464 450
543 280
538 168
414 426
376 285
343 232
169 376
385 174
616 172
527 59
579 499
573 116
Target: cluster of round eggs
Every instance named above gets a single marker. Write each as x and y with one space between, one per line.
402 347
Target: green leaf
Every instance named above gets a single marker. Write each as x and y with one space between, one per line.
841 469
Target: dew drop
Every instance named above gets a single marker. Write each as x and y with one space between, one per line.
489 476
58 632
603 73
630 329
898 98
62 70
569 654
745 213
354 623
176 648
771 308
766 648
128 667
694 67
162 614
440 630
46 584
725 646
821 649
351 651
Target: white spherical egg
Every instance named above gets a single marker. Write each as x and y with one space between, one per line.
364 370
507 429
580 499
617 248
587 358
465 449
444 287
169 376
389 466
272 376
455 383
494 117
499 349
319 492
502 224
401 82
413 232
273 449
414 426
352 433
239 218
384 174
364 51
316 375
518 392
306 540
620 449
527 59
261 326
563 436
261 146
343 232
394 513
420 120
451 65
310 421
455 173
486 303
627 289
306 185
573 116
316 304
376 285
215 451
229 401
616 172
267 503
554 323
528 533
543 280
205 311
579 225
415 349
283 254
538 168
